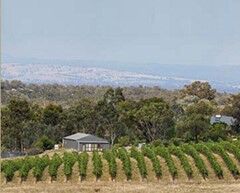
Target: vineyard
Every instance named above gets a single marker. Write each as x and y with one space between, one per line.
188 162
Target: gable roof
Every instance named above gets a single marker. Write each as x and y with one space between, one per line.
222 119
83 137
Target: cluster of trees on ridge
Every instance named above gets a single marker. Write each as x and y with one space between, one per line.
27 124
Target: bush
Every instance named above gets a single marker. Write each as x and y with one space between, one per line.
54 164
111 159
82 164
140 161
123 141
217 148
190 150
40 163
97 165
127 166
44 143
163 152
183 159
231 148
148 152
26 166
208 153
68 160
9 167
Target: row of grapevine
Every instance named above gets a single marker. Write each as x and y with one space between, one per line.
230 147
217 148
69 160
26 166
127 166
111 159
54 164
82 164
9 167
212 160
97 165
148 152
140 161
163 152
190 150
40 163
183 159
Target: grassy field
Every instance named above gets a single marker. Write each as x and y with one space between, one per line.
127 187
182 169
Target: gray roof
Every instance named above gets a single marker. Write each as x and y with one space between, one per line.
222 119
83 137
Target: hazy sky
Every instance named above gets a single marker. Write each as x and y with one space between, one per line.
161 31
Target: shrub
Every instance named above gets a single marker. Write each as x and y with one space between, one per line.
123 141
217 148
9 167
127 166
54 164
163 152
183 159
26 166
97 165
190 150
208 153
82 164
140 161
44 143
148 152
231 148
68 160
40 163
111 159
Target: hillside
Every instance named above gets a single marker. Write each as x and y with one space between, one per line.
209 162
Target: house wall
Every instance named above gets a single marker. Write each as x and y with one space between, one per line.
104 146
70 144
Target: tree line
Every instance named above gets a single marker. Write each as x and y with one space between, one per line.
123 121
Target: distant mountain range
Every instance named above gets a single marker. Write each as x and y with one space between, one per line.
224 79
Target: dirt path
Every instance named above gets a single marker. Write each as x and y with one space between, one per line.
116 187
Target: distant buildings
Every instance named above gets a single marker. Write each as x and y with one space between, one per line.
85 142
228 120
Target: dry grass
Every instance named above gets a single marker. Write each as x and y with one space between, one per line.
123 187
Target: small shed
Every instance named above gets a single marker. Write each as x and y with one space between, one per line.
228 120
85 142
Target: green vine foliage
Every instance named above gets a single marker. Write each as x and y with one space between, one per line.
127 166
190 150
111 159
148 152
82 164
69 160
212 160
40 163
140 161
183 159
97 165
217 148
54 164
163 152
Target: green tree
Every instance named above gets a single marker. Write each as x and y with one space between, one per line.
153 119
44 143
15 117
108 116
195 122
203 90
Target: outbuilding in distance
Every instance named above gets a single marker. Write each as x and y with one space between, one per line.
85 142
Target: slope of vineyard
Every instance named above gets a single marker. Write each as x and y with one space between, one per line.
187 163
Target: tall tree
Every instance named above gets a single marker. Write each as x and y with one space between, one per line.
203 90
15 117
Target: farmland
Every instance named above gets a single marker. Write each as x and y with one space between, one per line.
186 166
